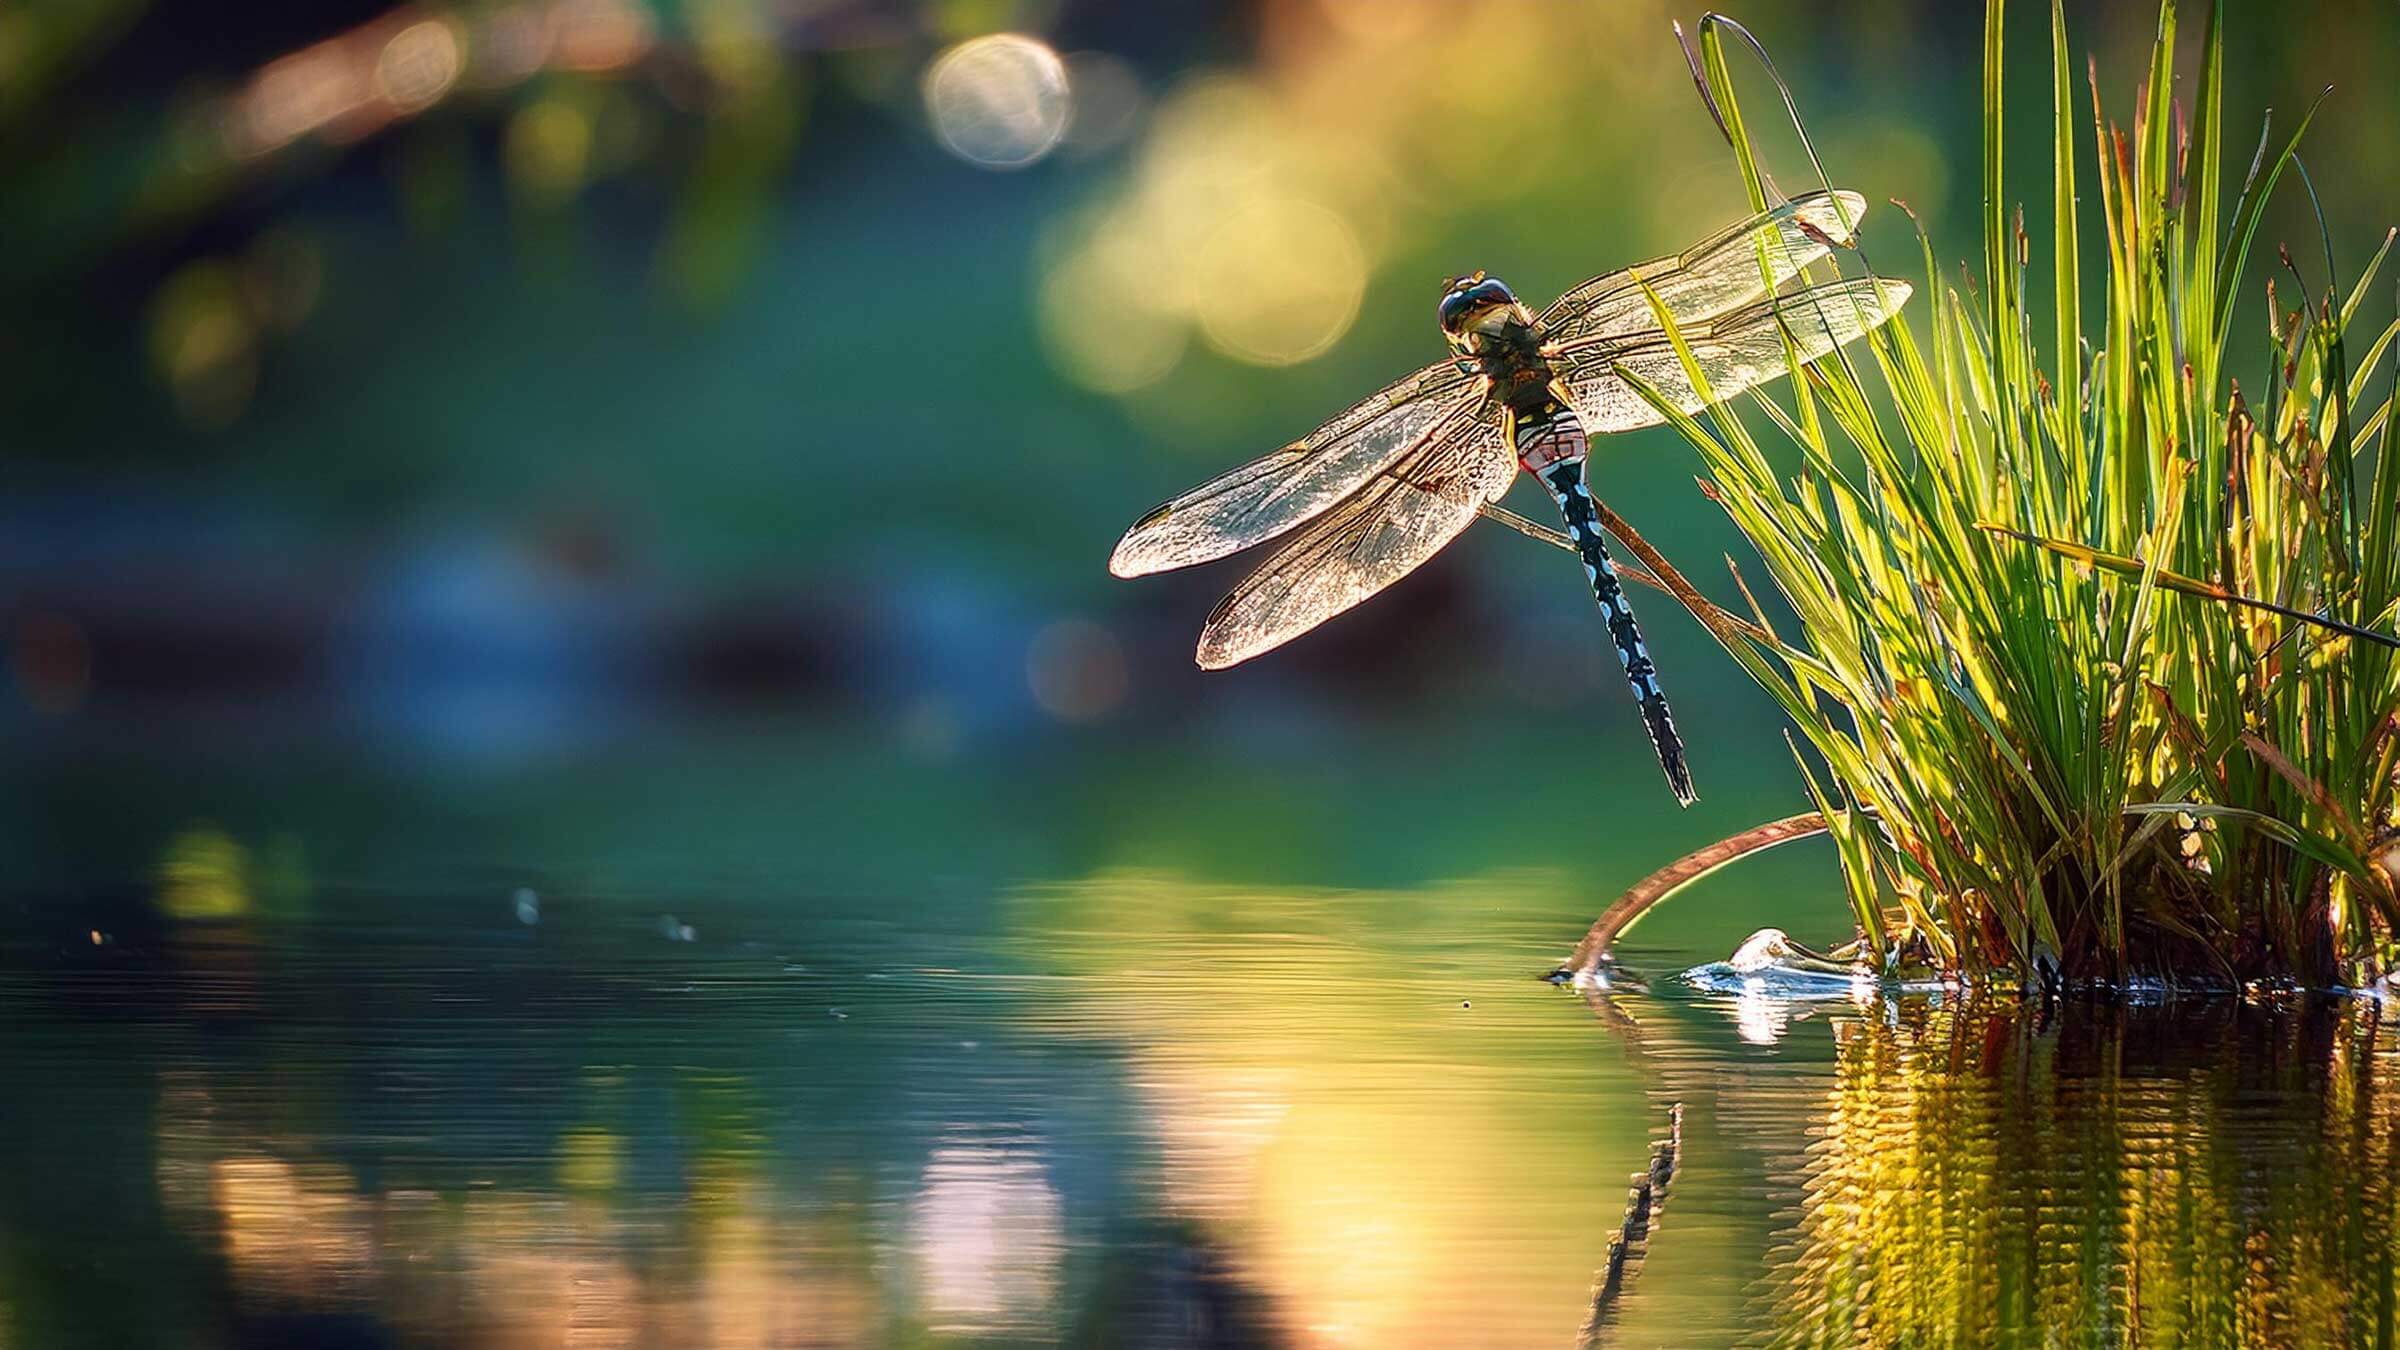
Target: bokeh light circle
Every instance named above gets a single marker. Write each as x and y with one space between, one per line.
1281 280
1098 329
418 65
1000 101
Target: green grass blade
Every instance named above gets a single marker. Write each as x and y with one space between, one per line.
2069 378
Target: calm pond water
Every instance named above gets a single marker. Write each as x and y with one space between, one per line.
1131 1110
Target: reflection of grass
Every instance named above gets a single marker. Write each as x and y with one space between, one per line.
2211 1175
2016 645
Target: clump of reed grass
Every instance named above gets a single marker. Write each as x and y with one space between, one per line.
2086 646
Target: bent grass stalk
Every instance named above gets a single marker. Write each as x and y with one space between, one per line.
2089 661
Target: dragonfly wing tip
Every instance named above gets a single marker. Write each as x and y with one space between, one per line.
1135 556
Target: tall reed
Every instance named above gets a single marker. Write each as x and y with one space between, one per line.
2082 634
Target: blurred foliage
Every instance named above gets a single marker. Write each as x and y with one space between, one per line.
409 296
466 377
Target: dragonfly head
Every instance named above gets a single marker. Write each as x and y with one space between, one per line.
1474 306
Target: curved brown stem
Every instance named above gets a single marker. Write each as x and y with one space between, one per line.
1653 570
1593 950
1712 616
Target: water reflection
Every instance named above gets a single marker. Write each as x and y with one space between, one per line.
1359 1096
984 1229
2206 1174
1130 1110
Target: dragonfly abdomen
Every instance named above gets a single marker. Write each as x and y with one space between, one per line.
1551 445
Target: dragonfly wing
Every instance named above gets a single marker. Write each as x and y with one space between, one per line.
1734 351
1377 537
1712 276
1295 484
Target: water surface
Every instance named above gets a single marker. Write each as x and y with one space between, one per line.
1128 1109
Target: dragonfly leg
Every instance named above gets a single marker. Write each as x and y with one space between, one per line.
1564 478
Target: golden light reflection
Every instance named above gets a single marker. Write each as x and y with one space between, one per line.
1000 101
590 1160
500 1263
291 1230
540 1275
188 1147
1330 1115
204 875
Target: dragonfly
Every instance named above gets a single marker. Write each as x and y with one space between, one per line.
1372 494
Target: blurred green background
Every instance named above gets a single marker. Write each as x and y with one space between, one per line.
492 394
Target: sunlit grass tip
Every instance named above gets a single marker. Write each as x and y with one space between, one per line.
2086 645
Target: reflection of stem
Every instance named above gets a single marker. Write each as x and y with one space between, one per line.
1622 1024
1632 1240
1592 952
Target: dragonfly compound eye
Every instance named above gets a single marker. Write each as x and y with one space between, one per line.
1492 291
1454 308
1469 297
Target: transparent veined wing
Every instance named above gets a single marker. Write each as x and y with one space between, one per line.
1377 537
1734 350
1286 489
1712 276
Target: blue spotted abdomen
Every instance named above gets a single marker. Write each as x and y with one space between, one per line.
1551 445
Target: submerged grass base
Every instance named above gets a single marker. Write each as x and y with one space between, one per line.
2086 646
